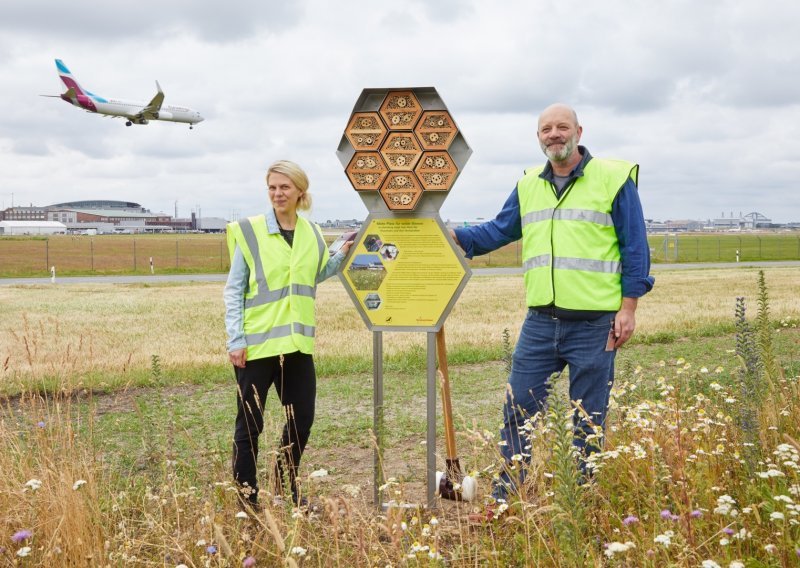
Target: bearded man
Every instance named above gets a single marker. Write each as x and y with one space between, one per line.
586 263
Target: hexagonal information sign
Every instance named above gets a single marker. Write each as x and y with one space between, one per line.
403 275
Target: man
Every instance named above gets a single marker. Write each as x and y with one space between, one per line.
586 262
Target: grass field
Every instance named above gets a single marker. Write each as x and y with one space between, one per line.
130 254
126 388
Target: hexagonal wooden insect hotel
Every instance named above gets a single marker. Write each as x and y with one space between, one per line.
366 171
436 129
401 191
400 110
436 171
365 131
401 150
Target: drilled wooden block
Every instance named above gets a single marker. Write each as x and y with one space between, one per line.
366 171
365 131
436 129
401 191
401 150
436 171
400 110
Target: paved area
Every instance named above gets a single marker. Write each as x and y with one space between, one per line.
499 271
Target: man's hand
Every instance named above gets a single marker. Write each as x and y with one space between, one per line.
454 237
625 321
238 357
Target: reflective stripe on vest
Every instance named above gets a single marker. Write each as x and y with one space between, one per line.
569 245
279 319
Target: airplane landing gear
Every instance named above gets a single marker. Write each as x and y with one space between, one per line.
191 127
128 123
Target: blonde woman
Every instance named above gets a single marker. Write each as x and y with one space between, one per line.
277 260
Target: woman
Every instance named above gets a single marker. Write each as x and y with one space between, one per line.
277 259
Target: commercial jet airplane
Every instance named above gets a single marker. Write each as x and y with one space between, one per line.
135 112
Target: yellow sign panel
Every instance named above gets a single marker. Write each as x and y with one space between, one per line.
403 272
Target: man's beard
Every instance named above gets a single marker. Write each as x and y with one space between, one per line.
560 155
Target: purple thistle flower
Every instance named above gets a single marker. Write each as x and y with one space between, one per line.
40 424
728 531
629 520
249 562
211 549
696 514
19 536
666 514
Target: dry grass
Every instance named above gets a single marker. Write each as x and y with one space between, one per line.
78 329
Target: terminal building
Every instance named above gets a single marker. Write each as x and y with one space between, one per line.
100 216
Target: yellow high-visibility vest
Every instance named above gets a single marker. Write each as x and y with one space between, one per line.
570 250
279 301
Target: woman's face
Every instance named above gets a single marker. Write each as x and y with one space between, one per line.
283 194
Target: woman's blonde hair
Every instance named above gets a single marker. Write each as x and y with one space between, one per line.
298 177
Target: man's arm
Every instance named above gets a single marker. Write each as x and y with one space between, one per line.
628 218
486 237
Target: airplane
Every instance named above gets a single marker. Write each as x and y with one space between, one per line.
135 112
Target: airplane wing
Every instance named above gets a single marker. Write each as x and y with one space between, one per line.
150 112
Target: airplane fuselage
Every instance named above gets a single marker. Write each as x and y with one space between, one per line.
130 109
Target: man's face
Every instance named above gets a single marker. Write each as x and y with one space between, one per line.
558 133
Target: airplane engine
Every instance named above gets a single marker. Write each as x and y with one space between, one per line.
163 115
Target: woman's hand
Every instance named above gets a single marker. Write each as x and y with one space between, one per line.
346 246
238 357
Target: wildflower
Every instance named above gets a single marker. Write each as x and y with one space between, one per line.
728 531
181 566
771 548
784 498
614 547
298 550
696 514
769 473
710 564
724 541
77 485
200 543
33 484
19 536
434 521
736 564
241 515
211 549
249 562
666 514
434 555
24 551
665 539
776 516
629 520
41 424
318 473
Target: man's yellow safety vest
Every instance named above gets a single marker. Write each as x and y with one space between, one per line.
570 250
279 301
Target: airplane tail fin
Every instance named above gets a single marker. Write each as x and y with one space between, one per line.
69 81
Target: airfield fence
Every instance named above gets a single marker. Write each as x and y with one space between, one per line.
132 254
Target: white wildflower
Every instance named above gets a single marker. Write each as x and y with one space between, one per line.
77 485
298 551
33 484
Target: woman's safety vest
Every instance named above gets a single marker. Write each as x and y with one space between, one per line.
279 301
570 249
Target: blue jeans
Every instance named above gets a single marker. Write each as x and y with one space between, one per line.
546 345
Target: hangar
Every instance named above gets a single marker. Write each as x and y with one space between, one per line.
32 228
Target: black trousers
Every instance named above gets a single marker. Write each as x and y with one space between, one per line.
295 381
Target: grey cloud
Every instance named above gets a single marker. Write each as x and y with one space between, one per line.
99 22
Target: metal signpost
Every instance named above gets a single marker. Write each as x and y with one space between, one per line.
402 152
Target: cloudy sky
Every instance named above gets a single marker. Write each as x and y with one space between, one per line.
704 95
